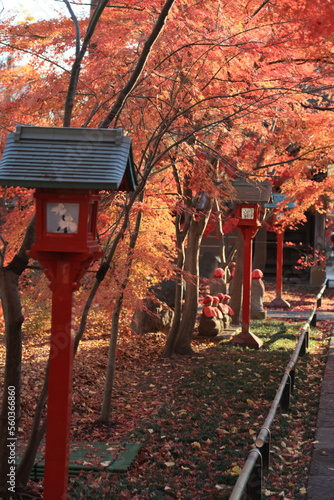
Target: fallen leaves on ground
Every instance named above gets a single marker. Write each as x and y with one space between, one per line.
196 416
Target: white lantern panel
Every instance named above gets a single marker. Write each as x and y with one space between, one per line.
62 217
247 213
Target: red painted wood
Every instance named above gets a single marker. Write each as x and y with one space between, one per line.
279 265
60 386
64 258
82 241
247 279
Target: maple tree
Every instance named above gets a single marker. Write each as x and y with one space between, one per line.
201 89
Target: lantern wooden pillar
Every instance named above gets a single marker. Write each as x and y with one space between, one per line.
278 199
249 223
65 246
251 196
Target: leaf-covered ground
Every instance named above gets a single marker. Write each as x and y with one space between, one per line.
195 417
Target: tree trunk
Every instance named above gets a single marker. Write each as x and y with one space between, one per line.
36 435
221 239
180 239
111 366
12 311
11 306
189 313
170 342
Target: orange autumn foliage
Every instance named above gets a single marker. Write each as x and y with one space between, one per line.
248 86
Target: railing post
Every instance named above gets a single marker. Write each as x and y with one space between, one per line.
305 343
314 320
285 399
265 453
293 376
254 484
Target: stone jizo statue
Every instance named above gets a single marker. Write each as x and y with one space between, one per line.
218 284
257 294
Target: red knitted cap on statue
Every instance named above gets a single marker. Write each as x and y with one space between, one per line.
207 300
220 296
219 273
215 300
257 274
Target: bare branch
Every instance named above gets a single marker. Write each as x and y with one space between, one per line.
76 68
148 45
39 56
319 108
76 25
94 4
302 157
260 8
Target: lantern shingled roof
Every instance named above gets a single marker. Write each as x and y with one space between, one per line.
252 192
67 157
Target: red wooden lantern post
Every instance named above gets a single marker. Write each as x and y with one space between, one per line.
65 246
249 223
251 195
278 198
68 167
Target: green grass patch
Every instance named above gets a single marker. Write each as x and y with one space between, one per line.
195 446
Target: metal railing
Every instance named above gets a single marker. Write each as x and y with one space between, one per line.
250 479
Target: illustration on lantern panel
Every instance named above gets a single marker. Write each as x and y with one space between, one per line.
62 217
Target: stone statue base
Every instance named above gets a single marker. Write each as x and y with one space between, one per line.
280 303
258 314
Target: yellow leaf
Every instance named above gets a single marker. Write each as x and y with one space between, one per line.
250 402
169 464
303 490
236 470
195 444
222 431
